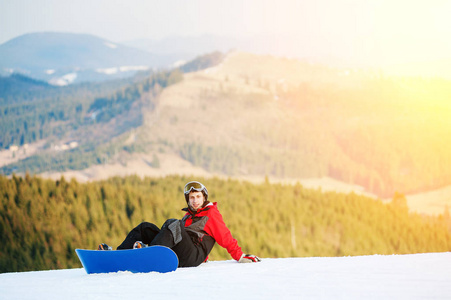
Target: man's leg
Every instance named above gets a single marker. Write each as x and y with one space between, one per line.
169 235
144 232
190 254
174 236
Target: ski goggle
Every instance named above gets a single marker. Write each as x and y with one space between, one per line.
195 186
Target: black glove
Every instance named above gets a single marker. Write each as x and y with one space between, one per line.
249 258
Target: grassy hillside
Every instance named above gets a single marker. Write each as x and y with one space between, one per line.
257 115
43 221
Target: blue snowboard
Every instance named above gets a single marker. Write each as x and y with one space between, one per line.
150 259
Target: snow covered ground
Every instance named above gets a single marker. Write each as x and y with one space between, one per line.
417 276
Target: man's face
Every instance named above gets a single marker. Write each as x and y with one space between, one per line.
195 200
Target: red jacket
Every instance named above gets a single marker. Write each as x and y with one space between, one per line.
208 221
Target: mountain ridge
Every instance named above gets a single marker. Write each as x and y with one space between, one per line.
50 55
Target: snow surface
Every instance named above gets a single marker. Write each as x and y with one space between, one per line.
415 276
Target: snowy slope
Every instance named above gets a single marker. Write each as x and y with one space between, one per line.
418 276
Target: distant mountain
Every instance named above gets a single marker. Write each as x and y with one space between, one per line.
63 58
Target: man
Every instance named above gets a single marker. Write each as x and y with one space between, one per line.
191 238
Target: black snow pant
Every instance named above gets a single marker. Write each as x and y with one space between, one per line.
172 235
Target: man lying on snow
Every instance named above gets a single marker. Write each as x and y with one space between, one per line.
191 238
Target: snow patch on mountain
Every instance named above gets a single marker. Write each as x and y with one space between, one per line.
178 63
64 80
107 71
110 45
133 68
115 70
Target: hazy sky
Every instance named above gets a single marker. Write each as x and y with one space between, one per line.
419 29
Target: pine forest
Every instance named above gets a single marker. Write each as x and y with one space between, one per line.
43 221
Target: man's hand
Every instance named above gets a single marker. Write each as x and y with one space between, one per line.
249 258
